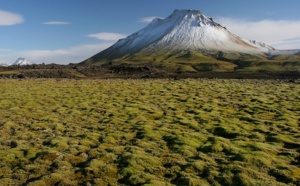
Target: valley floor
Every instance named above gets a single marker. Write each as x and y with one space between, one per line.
149 132
127 71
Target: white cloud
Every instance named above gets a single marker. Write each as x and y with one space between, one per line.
60 56
9 18
106 36
147 19
281 34
56 23
5 50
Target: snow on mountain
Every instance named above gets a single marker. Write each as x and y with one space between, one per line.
22 61
184 30
261 45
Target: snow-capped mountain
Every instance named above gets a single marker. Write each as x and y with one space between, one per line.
22 61
188 30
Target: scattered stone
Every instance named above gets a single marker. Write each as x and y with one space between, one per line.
13 144
84 155
20 76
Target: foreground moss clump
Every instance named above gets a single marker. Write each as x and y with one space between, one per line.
149 132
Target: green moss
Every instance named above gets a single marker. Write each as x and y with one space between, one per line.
151 132
10 72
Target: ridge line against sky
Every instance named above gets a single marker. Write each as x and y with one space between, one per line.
63 32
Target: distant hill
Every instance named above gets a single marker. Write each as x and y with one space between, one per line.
4 64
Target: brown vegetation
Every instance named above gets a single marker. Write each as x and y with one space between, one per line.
133 71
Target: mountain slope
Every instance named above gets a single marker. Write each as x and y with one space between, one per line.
186 37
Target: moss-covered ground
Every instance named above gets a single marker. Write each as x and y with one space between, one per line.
149 132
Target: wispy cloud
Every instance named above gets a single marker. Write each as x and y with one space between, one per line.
147 19
9 18
64 56
107 36
60 56
281 34
56 23
5 50
293 43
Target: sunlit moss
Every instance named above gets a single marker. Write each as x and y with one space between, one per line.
151 132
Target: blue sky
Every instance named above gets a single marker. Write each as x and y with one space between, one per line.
69 31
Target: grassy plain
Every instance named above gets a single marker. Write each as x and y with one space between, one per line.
203 61
149 132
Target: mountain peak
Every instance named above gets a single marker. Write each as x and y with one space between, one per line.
196 17
186 11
